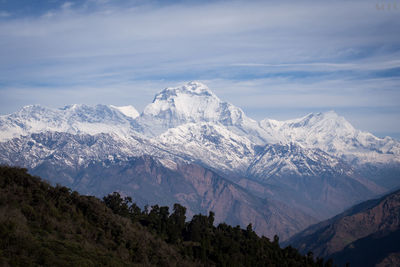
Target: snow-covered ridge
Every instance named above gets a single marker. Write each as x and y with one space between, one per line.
334 134
75 119
292 159
211 143
178 114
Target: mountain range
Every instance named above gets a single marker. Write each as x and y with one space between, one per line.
188 146
367 234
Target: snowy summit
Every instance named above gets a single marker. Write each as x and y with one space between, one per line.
179 113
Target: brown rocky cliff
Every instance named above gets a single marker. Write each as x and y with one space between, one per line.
373 220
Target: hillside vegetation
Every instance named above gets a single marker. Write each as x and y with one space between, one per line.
52 226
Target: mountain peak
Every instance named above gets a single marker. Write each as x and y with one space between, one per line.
190 102
331 114
197 88
192 88
32 108
329 119
74 107
327 114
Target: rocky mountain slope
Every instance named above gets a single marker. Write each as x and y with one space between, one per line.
365 235
97 165
318 164
44 225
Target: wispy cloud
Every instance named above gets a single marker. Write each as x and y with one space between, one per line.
4 14
270 54
362 65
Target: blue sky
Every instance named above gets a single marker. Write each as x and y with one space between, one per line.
275 59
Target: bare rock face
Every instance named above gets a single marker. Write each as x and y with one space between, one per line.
233 204
369 232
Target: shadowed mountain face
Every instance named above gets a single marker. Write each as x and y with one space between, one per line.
150 181
378 249
43 225
365 235
267 173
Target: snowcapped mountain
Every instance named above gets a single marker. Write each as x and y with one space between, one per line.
319 164
191 122
71 119
334 134
195 103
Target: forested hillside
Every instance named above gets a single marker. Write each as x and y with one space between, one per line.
52 226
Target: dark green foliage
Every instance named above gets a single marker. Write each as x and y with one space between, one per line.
52 226
41 225
176 224
199 240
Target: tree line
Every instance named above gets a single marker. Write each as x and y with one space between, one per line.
198 238
45 225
